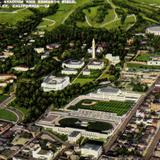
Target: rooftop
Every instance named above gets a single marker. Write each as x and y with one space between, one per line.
109 89
154 28
95 62
74 134
54 80
91 146
73 62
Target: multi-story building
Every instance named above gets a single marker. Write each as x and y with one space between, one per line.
116 94
96 65
52 83
69 71
91 150
75 64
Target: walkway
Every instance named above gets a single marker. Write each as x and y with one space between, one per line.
48 25
86 18
13 12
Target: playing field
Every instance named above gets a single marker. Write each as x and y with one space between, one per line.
6 115
112 106
83 81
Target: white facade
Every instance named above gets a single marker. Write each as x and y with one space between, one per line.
86 72
91 150
39 50
153 30
96 65
153 63
93 49
52 83
115 94
21 69
113 59
73 64
74 136
39 154
68 71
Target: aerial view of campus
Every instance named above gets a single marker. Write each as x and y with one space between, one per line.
79 79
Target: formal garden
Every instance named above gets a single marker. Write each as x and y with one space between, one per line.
94 126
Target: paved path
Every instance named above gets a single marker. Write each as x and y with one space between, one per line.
13 12
67 16
133 23
48 25
86 18
7 101
152 145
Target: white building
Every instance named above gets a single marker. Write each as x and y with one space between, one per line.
39 50
86 72
21 68
91 150
42 154
75 64
116 94
52 83
155 61
153 30
113 59
74 136
95 65
69 71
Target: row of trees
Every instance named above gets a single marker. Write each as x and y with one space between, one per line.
30 95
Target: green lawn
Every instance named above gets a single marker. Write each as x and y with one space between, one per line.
130 20
83 81
143 58
141 66
6 115
93 13
23 110
64 11
150 1
3 97
13 18
112 106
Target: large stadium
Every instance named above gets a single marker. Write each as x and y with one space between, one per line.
154 30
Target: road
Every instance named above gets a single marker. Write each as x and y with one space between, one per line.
126 120
12 155
152 146
7 101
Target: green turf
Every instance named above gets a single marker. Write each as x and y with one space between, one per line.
143 58
13 18
130 20
112 106
149 1
64 11
6 115
93 13
141 66
83 81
